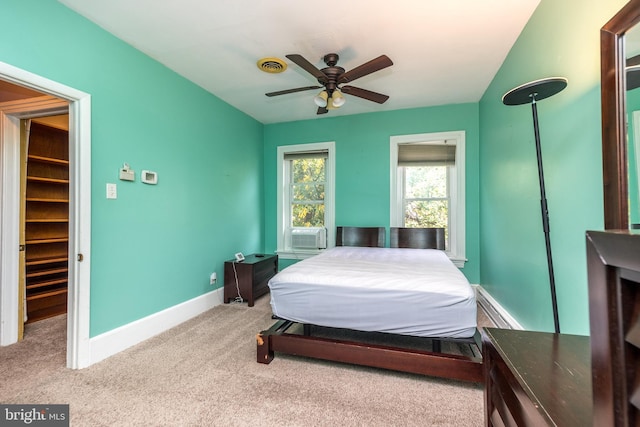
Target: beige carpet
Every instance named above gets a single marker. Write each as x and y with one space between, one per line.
204 373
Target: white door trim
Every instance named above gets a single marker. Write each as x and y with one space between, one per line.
78 302
9 231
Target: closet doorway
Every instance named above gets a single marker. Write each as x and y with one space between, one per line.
51 98
43 226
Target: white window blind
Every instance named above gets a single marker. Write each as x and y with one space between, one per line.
319 154
426 155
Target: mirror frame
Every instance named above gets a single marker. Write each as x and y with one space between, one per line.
614 128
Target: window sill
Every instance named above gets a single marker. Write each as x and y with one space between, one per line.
458 262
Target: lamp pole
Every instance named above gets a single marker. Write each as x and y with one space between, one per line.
531 93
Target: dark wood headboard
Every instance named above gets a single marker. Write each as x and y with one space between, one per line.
417 238
372 237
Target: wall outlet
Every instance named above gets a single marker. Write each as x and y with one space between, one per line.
213 278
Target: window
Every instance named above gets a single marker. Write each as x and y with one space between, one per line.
306 174
305 197
427 186
425 196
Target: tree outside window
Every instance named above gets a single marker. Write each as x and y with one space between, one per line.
426 197
308 180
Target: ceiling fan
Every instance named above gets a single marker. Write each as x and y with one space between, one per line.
332 78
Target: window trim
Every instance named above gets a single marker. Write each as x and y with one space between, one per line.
456 250
283 250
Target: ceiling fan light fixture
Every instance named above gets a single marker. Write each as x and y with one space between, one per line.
321 99
337 100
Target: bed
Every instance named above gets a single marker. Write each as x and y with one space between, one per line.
366 304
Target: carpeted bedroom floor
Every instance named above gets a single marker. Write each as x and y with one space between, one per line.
204 373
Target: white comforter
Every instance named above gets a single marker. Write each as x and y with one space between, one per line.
416 292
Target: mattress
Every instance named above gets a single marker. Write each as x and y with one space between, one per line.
417 292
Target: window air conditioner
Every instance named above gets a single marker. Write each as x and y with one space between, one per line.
309 238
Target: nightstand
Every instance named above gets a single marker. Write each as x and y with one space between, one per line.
252 274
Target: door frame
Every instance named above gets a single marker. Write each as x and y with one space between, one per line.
78 297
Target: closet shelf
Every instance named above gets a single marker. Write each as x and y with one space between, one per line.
46 294
41 273
47 180
52 240
47 200
49 160
38 285
42 261
47 220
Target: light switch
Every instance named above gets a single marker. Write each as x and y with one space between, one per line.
112 191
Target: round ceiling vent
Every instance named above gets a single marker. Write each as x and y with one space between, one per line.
272 65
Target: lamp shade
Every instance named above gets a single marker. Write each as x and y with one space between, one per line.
337 100
321 99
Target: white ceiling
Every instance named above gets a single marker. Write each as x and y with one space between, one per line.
444 51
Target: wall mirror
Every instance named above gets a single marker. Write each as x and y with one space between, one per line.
620 42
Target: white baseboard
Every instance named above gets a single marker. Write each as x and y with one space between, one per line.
495 311
119 339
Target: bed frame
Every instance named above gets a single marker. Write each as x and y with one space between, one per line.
280 338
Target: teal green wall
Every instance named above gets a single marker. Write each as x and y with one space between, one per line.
561 39
154 246
363 169
633 104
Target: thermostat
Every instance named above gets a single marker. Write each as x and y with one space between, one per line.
149 177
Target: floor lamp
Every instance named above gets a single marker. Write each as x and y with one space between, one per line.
531 93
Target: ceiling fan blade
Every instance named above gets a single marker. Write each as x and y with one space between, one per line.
308 67
365 94
633 77
322 110
372 66
633 61
633 72
298 89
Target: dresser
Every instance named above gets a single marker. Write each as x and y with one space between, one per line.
613 263
249 278
536 378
